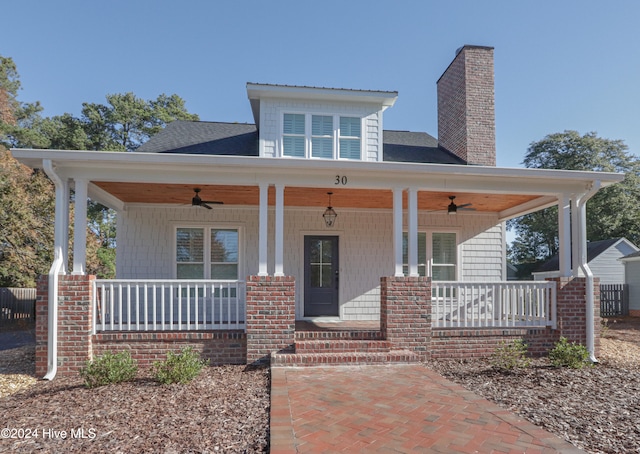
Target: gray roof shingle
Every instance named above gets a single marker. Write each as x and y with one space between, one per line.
594 249
203 137
241 139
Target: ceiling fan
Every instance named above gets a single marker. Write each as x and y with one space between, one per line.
196 201
452 208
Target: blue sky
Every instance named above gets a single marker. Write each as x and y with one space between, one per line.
558 64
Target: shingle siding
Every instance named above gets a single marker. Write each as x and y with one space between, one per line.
145 246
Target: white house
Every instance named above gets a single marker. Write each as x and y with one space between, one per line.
603 258
318 194
631 264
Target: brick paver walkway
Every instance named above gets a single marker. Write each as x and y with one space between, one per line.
393 409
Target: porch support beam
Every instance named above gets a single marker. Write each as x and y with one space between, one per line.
279 241
575 237
80 227
564 235
397 231
65 224
263 229
412 233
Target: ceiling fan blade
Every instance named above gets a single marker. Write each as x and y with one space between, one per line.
204 204
464 205
213 202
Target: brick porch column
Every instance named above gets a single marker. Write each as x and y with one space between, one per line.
571 309
271 315
75 323
405 313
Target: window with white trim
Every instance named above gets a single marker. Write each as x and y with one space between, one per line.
207 253
442 255
350 137
293 135
422 253
321 136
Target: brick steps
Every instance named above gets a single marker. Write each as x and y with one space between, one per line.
341 346
336 335
343 359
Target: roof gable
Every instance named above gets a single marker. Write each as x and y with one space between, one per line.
594 249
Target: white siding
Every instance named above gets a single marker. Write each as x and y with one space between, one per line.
271 111
607 267
145 246
632 276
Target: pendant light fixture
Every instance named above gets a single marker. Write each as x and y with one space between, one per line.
329 214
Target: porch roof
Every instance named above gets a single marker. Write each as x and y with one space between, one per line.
122 178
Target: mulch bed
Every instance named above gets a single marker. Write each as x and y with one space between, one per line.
225 409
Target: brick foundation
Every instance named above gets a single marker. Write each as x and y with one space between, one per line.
405 313
219 347
270 316
75 324
481 343
571 309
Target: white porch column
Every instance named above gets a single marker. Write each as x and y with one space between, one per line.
279 242
564 235
397 231
575 237
263 229
65 224
412 208
80 227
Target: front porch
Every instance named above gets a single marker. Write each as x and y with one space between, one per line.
254 321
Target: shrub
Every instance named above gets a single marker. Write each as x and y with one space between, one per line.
179 368
569 354
109 368
510 355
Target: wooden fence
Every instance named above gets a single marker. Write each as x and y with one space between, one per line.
614 300
17 304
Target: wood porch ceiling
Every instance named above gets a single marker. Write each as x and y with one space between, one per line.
181 194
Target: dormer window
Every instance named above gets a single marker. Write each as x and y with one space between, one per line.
321 136
350 135
293 139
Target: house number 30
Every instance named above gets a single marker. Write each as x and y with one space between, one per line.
341 180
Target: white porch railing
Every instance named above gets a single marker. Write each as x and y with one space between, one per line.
500 304
163 305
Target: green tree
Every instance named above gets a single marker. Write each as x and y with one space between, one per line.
611 213
19 122
126 121
122 124
26 230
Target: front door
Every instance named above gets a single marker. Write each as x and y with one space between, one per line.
321 276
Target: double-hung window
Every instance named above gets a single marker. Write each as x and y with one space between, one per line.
444 256
321 136
350 135
293 135
207 253
441 255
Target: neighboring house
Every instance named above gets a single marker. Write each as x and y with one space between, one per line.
227 234
631 264
603 258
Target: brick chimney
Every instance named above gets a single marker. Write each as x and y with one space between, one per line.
466 106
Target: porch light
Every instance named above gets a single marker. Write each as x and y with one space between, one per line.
329 214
